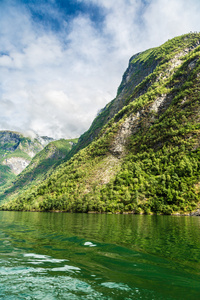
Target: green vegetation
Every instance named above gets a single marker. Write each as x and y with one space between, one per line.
143 157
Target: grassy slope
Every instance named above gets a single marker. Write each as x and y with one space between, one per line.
158 170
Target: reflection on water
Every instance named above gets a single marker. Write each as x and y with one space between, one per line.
89 256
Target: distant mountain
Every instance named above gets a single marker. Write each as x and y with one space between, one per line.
40 166
16 152
142 152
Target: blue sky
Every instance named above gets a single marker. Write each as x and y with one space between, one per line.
61 61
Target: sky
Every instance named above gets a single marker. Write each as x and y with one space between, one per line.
61 61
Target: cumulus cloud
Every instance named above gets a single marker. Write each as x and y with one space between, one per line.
58 70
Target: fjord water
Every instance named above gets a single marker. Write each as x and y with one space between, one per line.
98 256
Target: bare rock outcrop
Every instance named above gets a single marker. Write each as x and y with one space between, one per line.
16 164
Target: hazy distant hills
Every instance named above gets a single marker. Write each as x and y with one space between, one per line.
141 153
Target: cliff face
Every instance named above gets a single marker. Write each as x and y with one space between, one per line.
143 148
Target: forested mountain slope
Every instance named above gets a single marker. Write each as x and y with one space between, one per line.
143 148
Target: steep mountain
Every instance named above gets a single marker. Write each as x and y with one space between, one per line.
42 164
141 154
137 79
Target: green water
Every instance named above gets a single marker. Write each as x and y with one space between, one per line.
88 256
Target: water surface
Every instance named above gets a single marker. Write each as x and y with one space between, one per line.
94 256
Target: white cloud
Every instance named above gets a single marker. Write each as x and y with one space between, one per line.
168 18
56 81
5 61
